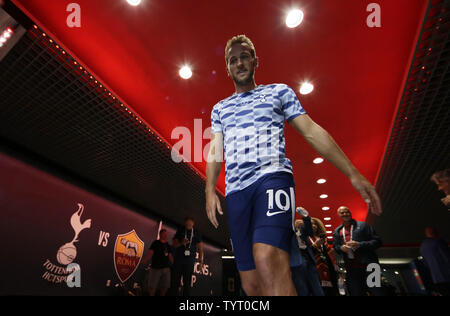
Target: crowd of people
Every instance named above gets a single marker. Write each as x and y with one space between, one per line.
171 266
248 128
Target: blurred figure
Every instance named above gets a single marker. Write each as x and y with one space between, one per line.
186 242
356 242
302 261
159 273
325 260
442 180
436 255
389 289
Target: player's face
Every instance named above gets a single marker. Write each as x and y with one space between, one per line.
163 235
241 65
314 226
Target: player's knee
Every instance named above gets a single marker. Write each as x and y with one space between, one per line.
251 287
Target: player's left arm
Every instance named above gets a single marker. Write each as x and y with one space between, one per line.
325 145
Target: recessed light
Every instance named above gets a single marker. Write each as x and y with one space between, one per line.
185 72
318 160
134 2
329 237
328 226
323 196
321 181
306 88
327 218
294 18
329 232
325 208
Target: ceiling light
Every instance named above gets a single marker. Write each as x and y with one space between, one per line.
294 18
320 181
329 237
325 208
329 232
2 39
185 72
323 196
306 88
134 2
328 226
327 218
318 160
396 272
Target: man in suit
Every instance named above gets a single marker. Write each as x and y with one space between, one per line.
356 242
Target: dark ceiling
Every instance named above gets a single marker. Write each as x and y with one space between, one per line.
419 143
362 77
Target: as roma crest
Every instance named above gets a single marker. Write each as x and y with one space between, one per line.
128 253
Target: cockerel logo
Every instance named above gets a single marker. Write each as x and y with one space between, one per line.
68 252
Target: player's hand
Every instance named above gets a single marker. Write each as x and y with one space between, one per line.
368 193
213 204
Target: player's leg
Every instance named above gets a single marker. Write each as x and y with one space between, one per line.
239 209
273 268
251 283
273 216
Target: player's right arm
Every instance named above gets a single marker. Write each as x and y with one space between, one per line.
213 166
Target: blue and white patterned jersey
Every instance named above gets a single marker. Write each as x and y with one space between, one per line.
252 124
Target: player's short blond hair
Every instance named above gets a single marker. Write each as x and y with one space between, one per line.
239 39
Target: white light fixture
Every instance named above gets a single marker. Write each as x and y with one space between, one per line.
185 72
134 2
323 196
396 272
318 161
306 88
329 232
328 226
329 237
327 218
321 181
227 257
325 208
2 39
294 18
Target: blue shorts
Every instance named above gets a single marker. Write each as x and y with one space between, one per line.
263 212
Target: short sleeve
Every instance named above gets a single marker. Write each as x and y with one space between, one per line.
216 124
289 103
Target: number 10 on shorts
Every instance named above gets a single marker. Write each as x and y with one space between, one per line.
282 200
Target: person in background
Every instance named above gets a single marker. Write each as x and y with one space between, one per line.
356 242
302 261
325 260
442 180
186 242
160 253
436 255
389 289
